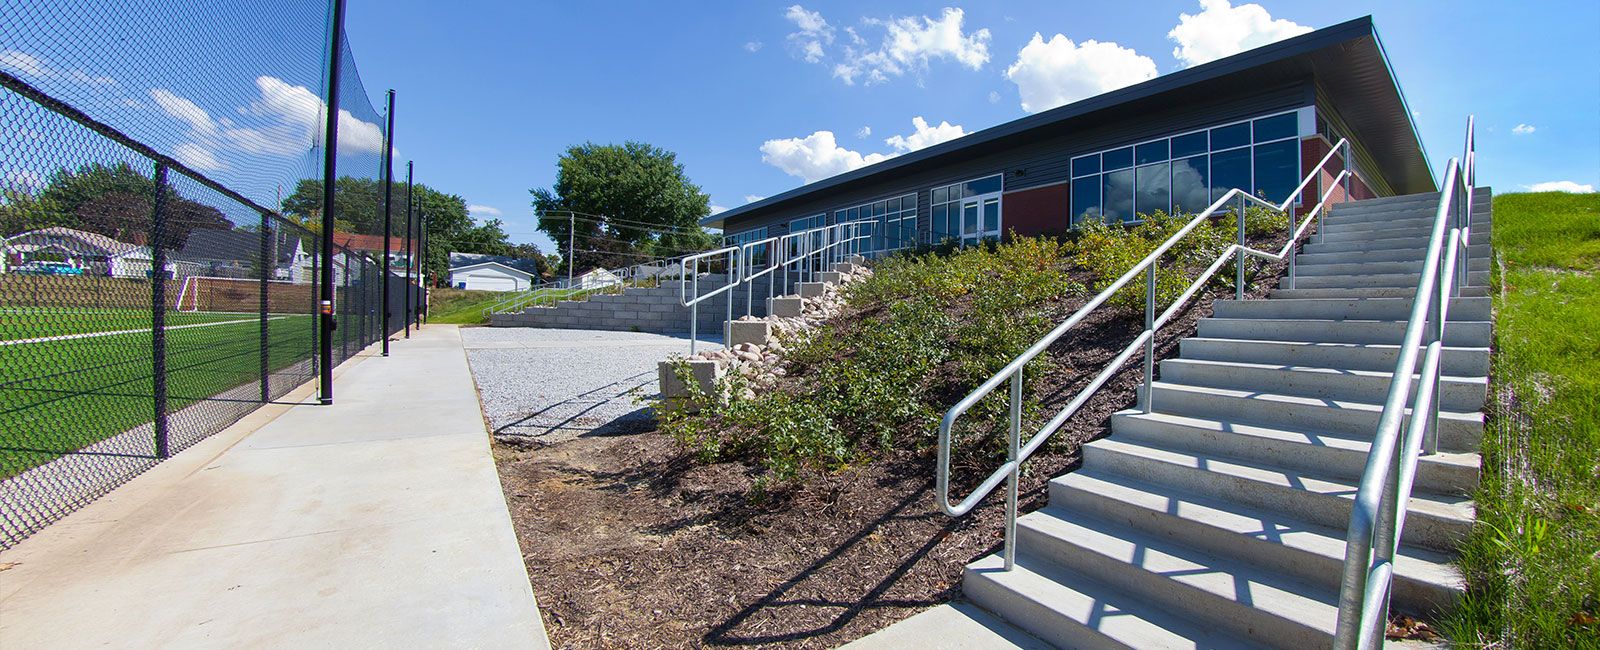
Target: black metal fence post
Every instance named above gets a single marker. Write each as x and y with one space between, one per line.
269 261
422 266
330 164
158 310
411 258
388 215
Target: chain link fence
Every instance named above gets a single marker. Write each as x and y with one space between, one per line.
160 195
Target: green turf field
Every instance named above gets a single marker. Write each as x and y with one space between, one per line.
61 395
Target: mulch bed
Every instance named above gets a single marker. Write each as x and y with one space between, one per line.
630 543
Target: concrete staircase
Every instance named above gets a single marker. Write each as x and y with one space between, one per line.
1218 519
645 309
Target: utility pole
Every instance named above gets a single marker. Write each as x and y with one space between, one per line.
572 257
330 161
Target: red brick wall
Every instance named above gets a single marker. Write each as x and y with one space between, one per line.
1036 211
1312 150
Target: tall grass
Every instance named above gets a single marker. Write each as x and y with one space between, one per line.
1532 563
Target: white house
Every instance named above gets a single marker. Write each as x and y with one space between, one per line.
490 276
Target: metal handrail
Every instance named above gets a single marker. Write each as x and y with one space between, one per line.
690 266
1378 515
1017 453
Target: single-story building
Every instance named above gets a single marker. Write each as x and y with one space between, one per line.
490 276
94 253
1257 120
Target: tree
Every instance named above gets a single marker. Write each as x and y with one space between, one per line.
649 206
112 200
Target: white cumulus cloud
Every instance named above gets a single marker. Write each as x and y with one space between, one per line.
715 209
1524 129
1221 29
814 32
818 156
1562 186
481 212
196 156
29 65
909 44
1057 72
865 131
925 136
753 46
752 198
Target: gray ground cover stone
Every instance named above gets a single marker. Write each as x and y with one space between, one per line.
545 386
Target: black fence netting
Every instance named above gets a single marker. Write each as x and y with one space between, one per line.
161 199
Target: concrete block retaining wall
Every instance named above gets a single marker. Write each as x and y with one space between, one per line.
657 309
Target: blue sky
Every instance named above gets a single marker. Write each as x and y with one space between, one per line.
749 93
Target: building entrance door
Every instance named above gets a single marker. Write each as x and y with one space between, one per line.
980 218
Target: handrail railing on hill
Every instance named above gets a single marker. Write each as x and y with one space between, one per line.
1379 512
1017 453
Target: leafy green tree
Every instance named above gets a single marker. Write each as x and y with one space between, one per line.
649 206
112 200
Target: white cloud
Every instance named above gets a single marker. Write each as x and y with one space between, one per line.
1056 72
925 136
285 120
910 44
1561 186
814 157
715 209
751 198
865 131
818 156
994 97
814 33
483 212
29 65
753 46
1221 30
1524 129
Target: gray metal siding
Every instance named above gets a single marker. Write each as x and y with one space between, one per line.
1046 161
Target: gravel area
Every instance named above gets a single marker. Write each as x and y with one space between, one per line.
543 386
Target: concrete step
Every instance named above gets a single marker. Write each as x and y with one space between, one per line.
1470 334
1480 195
1357 212
1336 454
1474 278
1336 235
1068 610
1347 356
1457 431
1434 521
1418 243
1478 254
1304 268
1424 580
1370 386
1366 292
1461 309
1420 219
1220 592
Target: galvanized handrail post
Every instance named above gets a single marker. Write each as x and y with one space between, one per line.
1238 263
1289 221
1148 398
1013 447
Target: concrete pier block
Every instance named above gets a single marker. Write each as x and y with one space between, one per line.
705 372
811 289
748 331
785 306
830 277
855 259
844 267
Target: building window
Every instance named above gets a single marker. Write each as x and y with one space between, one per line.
968 211
894 223
758 254
1186 172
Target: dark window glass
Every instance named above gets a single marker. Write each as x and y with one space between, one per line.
969 218
1117 195
1119 158
1277 169
1189 145
1228 137
1085 199
894 204
1086 165
1229 169
983 186
1190 193
1150 152
991 216
939 195
1276 127
1153 189
939 225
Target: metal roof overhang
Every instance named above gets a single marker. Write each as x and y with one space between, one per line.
1346 60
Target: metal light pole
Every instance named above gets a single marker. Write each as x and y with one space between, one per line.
388 184
330 161
572 256
410 256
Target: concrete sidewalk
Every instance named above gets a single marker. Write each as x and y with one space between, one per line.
375 522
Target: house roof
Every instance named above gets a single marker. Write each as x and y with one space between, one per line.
497 265
95 242
1347 60
369 243
458 259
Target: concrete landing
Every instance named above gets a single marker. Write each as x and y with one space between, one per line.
951 626
376 522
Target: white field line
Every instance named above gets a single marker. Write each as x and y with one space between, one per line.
90 335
